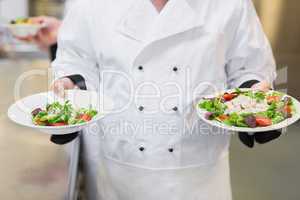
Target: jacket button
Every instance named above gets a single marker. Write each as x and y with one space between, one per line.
175 69
171 150
141 108
141 148
175 108
140 68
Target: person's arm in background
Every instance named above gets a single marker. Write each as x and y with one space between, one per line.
250 61
46 38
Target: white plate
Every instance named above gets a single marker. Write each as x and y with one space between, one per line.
283 124
20 112
24 30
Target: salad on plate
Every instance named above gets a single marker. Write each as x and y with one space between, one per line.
248 108
57 114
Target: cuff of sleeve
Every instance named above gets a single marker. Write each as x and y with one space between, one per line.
248 84
239 81
78 80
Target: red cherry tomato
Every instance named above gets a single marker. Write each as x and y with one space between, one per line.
59 124
228 96
86 117
263 121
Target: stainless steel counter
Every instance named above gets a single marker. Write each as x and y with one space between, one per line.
30 166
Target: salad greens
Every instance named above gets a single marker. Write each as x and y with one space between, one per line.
248 108
57 114
259 95
214 106
236 119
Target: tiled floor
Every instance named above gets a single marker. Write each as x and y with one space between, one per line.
32 168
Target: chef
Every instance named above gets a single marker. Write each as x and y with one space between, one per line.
155 59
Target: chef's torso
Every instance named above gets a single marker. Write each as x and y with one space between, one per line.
154 66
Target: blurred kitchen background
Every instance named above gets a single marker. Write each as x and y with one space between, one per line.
33 168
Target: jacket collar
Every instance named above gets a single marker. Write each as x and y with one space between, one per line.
143 23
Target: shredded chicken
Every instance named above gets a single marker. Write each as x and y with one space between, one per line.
245 104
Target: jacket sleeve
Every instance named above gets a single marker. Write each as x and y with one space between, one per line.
75 53
249 55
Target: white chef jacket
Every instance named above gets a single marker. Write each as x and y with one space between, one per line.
155 66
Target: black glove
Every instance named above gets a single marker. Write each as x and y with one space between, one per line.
64 139
261 138
53 50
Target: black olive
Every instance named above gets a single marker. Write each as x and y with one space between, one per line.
251 121
36 111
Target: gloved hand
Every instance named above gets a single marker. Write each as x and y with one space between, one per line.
249 139
79 81
63 139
